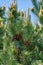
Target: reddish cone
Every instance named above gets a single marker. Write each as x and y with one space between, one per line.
27 42
18 37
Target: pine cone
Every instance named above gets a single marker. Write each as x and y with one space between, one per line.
27 42
18 37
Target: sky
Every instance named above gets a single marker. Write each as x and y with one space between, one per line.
22 4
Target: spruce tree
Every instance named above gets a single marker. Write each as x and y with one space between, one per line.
21 43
